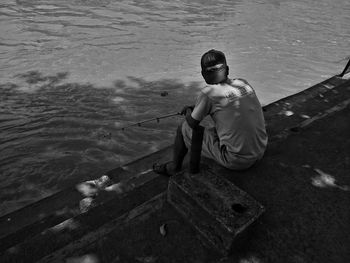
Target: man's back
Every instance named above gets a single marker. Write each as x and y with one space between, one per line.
238 118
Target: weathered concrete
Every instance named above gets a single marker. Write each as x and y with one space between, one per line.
305 220
53 238
214 206
31 220
136 215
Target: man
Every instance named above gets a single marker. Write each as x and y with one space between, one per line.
239 137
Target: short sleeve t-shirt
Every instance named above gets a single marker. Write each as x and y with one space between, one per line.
238 117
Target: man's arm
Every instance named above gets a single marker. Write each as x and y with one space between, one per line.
201 109
193 123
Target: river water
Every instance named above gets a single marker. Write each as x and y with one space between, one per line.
73 71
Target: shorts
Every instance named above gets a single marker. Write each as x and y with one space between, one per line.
212 149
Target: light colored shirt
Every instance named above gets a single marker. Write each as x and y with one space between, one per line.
238 117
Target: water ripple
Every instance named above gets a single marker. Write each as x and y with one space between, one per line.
73 71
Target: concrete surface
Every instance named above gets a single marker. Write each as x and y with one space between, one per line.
304 185
303 182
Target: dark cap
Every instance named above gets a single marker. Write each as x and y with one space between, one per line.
211 58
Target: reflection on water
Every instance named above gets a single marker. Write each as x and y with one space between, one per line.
72 71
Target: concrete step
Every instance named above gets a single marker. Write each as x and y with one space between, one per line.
103 233
33 219
214 206
41 244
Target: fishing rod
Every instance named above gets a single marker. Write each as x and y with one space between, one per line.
346 69
149 120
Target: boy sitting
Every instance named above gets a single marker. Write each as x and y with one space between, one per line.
238 139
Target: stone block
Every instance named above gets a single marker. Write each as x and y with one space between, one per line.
216 208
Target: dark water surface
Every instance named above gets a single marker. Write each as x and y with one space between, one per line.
73 71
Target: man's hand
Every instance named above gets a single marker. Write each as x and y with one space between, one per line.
187 108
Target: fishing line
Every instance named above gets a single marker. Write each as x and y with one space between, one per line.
157 119
148 129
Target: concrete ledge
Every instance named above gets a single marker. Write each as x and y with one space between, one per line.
34 248
138 214
31 220
284 115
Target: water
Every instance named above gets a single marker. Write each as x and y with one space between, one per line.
73 71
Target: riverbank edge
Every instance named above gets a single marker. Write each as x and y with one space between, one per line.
27 225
